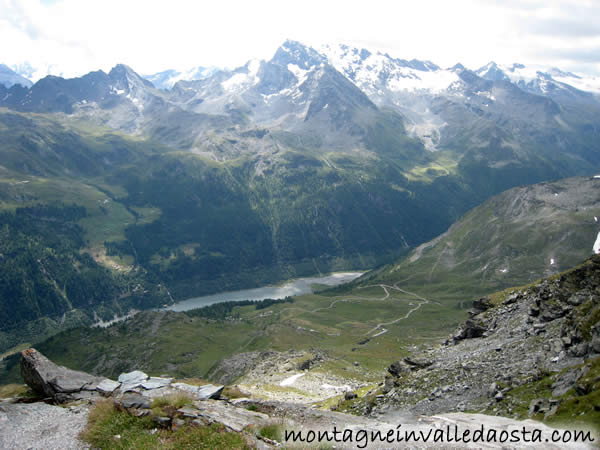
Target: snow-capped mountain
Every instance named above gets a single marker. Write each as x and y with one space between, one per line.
167 78
337 94
379 74
553 82
9 77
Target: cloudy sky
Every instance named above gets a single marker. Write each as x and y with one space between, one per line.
73 37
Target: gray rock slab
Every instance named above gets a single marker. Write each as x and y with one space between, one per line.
41 426
185 387
188 412
235 419
135 401
200 392
58 382
137 376
209 391
156 383
108 386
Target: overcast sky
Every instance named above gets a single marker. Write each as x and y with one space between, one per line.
73 37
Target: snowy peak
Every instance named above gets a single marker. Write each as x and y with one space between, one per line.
168 78
125 78
293 52
379 74
9 77
538 80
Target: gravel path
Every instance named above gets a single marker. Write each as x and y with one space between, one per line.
41 426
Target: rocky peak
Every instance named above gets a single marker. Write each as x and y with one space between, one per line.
124 77
293 52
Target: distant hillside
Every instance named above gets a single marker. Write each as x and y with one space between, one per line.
513 238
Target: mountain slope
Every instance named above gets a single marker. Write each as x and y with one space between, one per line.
9 77
512 238
525 352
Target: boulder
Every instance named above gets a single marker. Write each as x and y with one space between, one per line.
236 419
397 368
350 396
417 362
205 392
567 380
482 304
57 382
136 401
470 330
132 380
156 383
107 387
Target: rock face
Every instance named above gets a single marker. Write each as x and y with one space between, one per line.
57 382
62 384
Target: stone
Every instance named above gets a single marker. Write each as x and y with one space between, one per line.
209 391
188 412
567 381
57 382
162 422
107 387
499 396
136 376
579 350
482 304
350 396
576 299
136 401
512 299
234 418
537 406
471 329
417 362
156 383
397 368
200 392
595 344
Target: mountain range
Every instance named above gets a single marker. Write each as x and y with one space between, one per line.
316 160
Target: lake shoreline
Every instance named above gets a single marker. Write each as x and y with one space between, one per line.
288 288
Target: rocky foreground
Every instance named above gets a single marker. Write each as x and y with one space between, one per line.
529 352
66 397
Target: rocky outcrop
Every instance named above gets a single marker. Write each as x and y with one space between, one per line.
549 329
57 382
63 385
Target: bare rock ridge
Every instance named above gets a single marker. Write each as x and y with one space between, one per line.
511 340
136 388
56 382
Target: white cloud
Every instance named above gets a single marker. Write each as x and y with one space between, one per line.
73 37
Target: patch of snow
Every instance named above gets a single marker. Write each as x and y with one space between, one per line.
503 270
344 387
291 380
596 247
595 219
583 83
551 261
596 176
241 80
